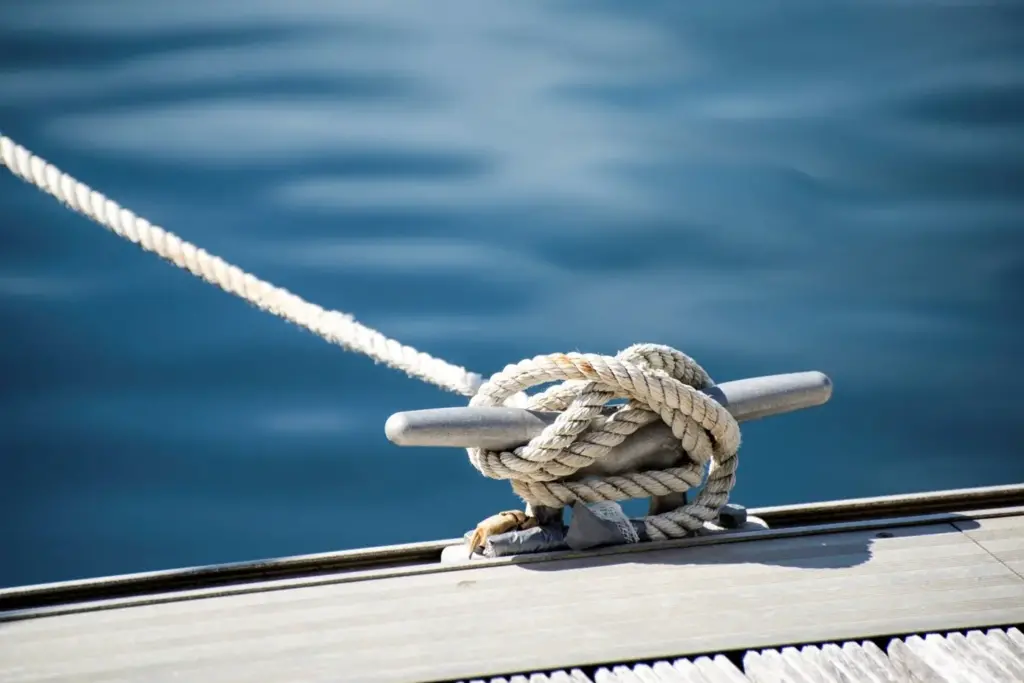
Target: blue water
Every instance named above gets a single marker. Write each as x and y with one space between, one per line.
770 187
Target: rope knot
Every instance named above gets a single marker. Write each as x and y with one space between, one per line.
567 461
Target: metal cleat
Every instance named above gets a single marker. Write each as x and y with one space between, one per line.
651 447
501 428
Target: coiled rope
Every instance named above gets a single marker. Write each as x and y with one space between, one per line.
658 381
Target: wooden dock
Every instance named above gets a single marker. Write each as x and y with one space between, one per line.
873 571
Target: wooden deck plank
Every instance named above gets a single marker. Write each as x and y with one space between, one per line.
490 620
174 585
1001 536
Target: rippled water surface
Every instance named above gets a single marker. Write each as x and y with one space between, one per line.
809 184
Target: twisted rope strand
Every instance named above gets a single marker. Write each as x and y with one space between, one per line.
660 382
333 326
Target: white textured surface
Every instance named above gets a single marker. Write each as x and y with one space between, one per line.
995 656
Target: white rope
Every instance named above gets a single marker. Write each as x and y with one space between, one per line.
659 382
334 326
